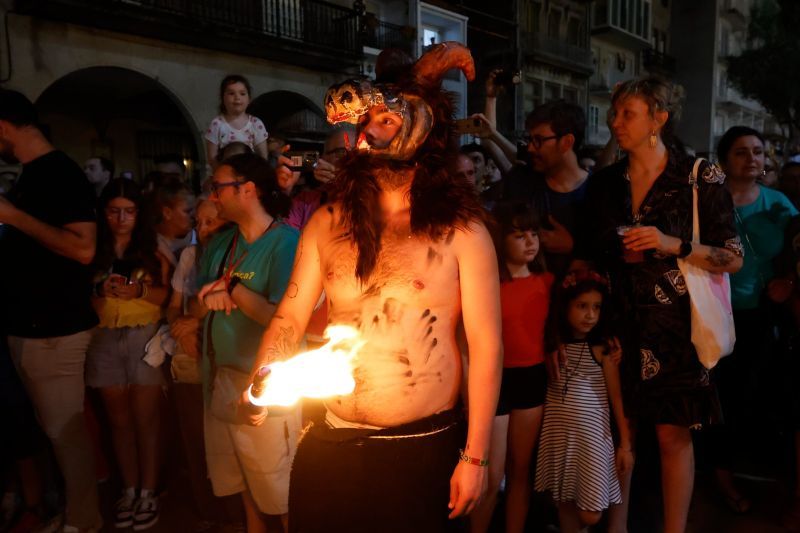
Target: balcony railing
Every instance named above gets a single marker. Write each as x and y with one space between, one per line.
656 61
557 52
312 33
380 34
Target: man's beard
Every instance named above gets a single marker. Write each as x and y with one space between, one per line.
393 175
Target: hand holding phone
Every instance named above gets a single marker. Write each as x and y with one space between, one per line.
466 126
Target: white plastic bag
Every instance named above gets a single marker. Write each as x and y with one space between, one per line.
713 332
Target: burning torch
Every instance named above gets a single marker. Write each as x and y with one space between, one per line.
321 373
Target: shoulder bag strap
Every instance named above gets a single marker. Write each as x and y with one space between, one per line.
695 211
212 354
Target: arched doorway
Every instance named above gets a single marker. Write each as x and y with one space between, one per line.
292 117
120 114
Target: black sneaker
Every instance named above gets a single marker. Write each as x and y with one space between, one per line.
123 509
146 513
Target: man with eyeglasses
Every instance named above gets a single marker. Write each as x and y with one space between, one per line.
557 186
47 240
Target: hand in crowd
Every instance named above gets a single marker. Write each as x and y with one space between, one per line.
324 171
467 485
557 240
624 461
487 129
613 349
250 413
779 290
216 298
642 238
492 89
116 286
287 178
184 330
553 362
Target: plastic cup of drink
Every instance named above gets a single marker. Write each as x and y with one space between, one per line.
629 256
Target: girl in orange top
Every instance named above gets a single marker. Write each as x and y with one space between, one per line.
525 298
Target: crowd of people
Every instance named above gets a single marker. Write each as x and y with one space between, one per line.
553 276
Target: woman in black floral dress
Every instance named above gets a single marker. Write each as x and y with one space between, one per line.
648 197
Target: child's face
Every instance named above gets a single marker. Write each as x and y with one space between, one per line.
584 312
208 221
235 98
521 246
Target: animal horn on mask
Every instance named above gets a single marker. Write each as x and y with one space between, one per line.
431 67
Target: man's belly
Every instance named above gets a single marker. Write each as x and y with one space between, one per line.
391 391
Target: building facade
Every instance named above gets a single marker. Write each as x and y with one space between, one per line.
557 60
131 80
621 33
718 30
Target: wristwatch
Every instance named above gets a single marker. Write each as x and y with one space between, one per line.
685 250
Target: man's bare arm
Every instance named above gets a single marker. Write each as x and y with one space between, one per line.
289 321
480 303
76 240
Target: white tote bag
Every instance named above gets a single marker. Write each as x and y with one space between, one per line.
713 333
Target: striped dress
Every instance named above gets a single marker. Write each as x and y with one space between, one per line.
576 451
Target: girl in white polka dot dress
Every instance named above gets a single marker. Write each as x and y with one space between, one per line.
233 124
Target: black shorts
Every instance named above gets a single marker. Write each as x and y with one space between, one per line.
392 480
523 387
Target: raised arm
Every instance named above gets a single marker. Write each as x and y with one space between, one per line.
480 304
75 240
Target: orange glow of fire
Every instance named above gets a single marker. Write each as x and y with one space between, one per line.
321 373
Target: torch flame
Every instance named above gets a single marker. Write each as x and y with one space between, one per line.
326 371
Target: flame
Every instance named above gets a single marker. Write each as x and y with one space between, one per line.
326 371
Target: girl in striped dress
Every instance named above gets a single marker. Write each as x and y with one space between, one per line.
577 462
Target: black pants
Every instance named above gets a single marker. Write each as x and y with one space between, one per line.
745 384
367 481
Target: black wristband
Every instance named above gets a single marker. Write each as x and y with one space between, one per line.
235 280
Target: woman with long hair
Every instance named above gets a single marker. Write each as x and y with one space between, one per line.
131 288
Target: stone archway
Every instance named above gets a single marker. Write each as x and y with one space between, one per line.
121 114
291 116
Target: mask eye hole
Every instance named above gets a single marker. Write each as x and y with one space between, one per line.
346 98
328 100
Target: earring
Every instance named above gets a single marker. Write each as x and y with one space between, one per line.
653 139
763 172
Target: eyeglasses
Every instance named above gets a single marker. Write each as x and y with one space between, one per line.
538 140
217 185
115 212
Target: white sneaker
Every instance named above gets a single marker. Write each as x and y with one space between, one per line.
146 513
124 508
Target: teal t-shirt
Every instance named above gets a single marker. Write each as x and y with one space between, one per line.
265 269
761 226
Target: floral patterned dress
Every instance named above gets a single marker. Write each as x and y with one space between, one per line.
663 382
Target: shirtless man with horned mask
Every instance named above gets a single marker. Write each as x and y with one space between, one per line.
402 254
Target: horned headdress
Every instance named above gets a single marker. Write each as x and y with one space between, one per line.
408 97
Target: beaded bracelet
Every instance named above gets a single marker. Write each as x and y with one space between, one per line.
472 460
